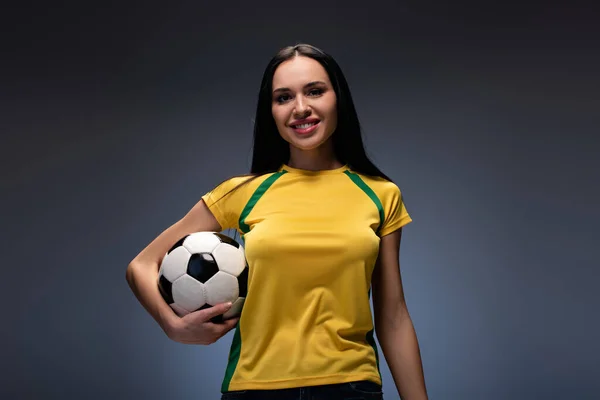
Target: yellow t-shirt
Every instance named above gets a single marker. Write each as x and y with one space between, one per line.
311 240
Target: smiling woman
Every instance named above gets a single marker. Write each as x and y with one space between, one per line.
304 107
322 227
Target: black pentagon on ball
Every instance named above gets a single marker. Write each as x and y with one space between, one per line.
217 319
202 266
227 239
165 289
243 282
177 244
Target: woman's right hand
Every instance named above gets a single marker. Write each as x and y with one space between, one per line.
196 327
142 275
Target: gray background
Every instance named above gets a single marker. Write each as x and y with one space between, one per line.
116 119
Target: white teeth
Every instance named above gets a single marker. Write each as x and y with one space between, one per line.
304 126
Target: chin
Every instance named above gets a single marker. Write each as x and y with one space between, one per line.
306 148
309 143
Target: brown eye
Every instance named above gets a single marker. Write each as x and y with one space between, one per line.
282 98
315 92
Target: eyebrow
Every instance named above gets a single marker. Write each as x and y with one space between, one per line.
313 83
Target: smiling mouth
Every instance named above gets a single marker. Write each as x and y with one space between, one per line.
305 126
304 129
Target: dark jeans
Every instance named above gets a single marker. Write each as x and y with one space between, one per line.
362 390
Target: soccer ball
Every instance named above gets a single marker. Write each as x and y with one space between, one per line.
204 269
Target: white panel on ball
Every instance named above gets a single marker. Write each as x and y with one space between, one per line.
236 308
188 293
230 259
179 310
175 263
201 242
221 288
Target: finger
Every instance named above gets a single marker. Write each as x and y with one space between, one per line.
211 312
226 326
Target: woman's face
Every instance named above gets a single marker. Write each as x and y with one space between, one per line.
303 103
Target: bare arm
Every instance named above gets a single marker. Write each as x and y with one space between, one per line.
142 275
393 324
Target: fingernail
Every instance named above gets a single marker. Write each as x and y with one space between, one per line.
228 305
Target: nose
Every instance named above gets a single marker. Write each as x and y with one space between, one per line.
302 109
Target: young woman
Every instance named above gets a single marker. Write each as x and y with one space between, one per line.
321 226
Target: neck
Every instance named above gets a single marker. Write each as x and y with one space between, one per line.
321 158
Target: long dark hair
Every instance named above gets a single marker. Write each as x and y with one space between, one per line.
270 150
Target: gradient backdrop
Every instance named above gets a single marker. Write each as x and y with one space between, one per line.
115 119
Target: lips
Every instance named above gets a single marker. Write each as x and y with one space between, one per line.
305 126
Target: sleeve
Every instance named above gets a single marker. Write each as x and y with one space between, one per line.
226 201
394 209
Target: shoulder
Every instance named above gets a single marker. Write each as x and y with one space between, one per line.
227 199
235 181
241 184
391 201
381 186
